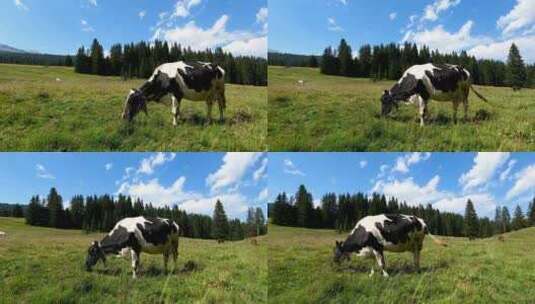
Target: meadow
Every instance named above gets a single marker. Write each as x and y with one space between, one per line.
480 271
44 265
329 113
83 113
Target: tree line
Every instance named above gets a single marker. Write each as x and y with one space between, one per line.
343 211
140 59
35 59
101 213
389 61
9 210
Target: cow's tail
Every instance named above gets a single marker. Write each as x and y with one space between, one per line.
479 95
436 240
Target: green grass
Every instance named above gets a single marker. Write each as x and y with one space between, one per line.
42 265
343 114
481 271
82 113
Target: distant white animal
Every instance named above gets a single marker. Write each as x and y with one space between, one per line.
58 80
2 234
301 82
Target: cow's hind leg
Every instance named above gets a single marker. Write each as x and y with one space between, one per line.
165 260
422 104
455 107
135 263
175 252
380 257
176 109
417 259
209 104
465 105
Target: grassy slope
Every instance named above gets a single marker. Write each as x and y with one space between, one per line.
481 271
82 112
342 114
41 265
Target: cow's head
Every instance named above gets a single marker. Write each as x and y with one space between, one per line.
94 254
387 103
134 103
339 254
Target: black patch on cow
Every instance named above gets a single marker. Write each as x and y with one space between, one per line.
120 238
155 231
158 87
397 229
199 76
408 86
446 78
359 239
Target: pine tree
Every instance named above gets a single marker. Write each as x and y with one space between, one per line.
470 221
55 209
506 220
33 211
531 213
313 62
516 70
219 222
17 211
97 58
68 61
260 221
304 205
518 219
345 57
498 220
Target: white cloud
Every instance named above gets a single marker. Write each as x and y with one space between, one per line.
232 170
344 2
404 162
93 2
262 15
439 38
148 165
19 4
524 182
183 7
363 164
506 173
432 11
260 173
407 190
142 14
256 47
485 166
198 38
235 204
521 17
86 27
392 15
108 166
41 172
484 203
498 50
152 191
290 168
263 195
413 194
332 26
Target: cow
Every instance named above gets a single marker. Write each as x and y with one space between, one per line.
440 82
137 235
196 81
2 234
373 235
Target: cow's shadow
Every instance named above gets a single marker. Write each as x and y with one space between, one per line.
152 270
404 269
238 118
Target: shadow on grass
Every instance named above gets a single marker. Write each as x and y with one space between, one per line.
152 270
405 269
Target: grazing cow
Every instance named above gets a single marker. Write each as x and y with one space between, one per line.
300 82
386 232
137 235
2 234
441 82
196 81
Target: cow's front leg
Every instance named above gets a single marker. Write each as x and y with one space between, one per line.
221 105
372 272
422 104
176 109
417 260
135 263
165 260
455 107
209 104
380 257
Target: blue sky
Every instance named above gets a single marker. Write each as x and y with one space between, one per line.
193 181
485 28
445 180
61 26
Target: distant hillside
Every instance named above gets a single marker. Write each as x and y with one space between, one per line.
7 48
296 60
22 57
7 209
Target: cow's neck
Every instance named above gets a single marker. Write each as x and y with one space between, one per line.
107 246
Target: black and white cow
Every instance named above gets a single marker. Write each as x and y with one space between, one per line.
196 81
440 82
373 235
137 235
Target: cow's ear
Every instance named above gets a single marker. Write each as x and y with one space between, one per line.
386 92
